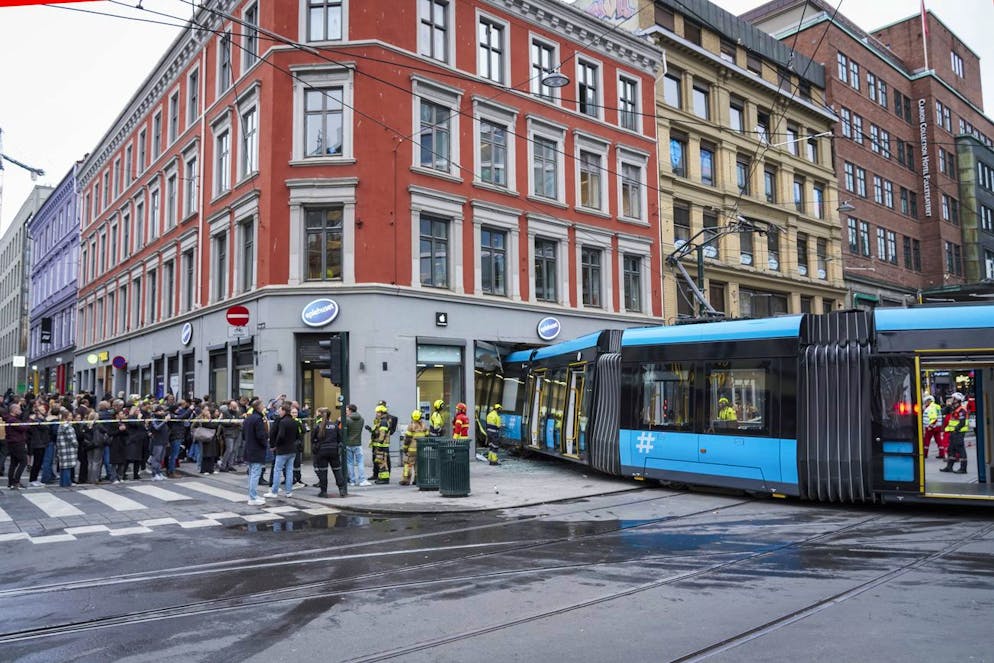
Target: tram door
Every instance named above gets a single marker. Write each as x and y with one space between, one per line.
894 425
570 440
536 415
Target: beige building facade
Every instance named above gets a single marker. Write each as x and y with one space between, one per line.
744 146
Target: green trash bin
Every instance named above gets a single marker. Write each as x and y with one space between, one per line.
453 461
426 470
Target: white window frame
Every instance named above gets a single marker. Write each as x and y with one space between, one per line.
599 75
313 193
634 157
219 127
535 85
621 75
173 132
642 247
244 29
486 110
320 76
246 219
189 244
248 103
540 226
447 206
539 127
505 59
154 211
191 188
587 236
193 110
450 31
500 218
584 142
304 35
443 95
224 32
219 225
171 217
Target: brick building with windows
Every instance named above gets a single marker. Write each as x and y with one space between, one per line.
743 137
912 150
395 169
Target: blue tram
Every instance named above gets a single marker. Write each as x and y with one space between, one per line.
817 407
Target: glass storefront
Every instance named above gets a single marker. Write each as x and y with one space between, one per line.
440 376
219 376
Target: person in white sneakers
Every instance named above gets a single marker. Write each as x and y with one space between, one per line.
284 443
256 445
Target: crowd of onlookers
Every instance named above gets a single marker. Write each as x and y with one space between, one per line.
81 439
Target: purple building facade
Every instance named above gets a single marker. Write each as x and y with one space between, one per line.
53 254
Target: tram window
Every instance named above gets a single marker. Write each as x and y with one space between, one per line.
512 392
898 420
738 400
666 396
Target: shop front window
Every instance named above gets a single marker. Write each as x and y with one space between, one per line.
440 376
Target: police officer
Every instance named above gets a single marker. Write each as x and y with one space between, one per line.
460 424
436 421
409 449
932 423
493 433
959 424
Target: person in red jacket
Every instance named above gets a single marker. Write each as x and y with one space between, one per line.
460 424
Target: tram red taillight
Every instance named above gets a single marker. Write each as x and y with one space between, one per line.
905 408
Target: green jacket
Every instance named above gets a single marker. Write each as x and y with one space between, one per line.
353 430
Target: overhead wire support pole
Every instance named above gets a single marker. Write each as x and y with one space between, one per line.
740 224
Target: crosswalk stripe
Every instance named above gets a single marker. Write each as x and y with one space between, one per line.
54 538
113 500
281 509
159 493
320 511
14 536
4 518
53 506
87 529
229 495
124 531
221 515
155 522
199 523
261 517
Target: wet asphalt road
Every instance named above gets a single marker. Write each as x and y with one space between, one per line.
649 575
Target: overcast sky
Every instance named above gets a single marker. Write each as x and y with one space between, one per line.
66 75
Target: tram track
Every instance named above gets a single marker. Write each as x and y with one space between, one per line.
288 594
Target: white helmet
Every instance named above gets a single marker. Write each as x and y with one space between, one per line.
929 398
958 397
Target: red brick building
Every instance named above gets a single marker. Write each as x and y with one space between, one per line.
393 169
912 150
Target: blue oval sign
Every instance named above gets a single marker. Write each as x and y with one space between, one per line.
549 328
186 333
319 313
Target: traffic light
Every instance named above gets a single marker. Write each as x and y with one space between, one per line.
334 355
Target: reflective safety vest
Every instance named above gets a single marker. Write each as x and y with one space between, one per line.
958 421
727 413
493 421
381 433
415 429
932 415
436 423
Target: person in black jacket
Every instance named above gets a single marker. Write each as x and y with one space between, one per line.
17 445
284 443
256 445
137 440
327 449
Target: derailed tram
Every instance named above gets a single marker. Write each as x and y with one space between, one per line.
816 407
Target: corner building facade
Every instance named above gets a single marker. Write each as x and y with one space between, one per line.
404 176
912 151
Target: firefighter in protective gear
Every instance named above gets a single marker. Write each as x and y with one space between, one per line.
959 424
493 434
409 447
436 420
725 410
460 424
381 445
932 425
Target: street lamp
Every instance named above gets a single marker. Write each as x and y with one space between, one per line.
846 206
555 78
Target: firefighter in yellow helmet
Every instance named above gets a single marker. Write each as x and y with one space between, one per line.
436 420
725 410
381 445
493 434
409 447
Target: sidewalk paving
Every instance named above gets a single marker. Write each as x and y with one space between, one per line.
516 482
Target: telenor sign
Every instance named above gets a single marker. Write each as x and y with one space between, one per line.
549 328
319 312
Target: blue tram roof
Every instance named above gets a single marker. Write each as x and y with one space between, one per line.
566 347
935 317
787 326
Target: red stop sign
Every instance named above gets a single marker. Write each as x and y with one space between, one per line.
238 316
